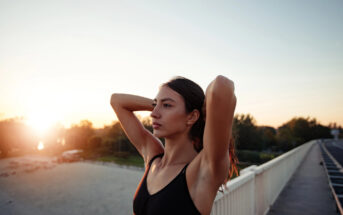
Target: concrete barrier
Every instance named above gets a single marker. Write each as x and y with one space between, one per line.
257 187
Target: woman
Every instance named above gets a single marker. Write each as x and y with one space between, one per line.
183 175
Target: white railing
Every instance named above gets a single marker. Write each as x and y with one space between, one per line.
257 187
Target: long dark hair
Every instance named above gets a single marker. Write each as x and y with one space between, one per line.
194 98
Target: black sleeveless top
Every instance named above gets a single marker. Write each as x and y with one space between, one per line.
174 198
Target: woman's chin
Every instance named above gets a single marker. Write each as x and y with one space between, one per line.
157 134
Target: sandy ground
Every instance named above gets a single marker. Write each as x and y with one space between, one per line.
38 185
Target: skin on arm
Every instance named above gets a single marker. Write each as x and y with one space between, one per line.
220 105
210 168
144 141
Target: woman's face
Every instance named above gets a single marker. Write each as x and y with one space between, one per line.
169 112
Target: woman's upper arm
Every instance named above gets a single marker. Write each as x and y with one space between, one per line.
220 107
143 140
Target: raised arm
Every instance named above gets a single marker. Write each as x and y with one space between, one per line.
124 105
220 104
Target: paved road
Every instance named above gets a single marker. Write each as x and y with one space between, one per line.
335 147
37 185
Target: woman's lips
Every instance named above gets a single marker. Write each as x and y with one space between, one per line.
156 125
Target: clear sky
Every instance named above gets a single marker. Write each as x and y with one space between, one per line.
62 60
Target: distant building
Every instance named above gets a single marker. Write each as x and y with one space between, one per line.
335 133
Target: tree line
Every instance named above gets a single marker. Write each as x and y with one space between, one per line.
15 135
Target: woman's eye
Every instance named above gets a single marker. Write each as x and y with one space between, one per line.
164 105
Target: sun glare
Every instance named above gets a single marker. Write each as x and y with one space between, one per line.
41 121
40 146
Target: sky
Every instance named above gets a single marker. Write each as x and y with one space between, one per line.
60 61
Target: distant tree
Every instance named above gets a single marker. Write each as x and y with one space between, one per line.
114 130
94 143
320 131
285 138
5 142
16 135
77 136
117 140
268 137
340 131
247 135
109 146
300 130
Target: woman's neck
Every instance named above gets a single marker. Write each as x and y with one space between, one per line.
178 150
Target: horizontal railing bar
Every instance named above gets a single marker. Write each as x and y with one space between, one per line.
336 177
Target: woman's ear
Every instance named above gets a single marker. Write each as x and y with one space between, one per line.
193 117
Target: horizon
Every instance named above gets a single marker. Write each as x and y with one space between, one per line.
142 117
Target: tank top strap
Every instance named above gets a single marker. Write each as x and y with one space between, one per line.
184 169
153 158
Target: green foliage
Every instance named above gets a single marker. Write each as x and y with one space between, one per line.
246 155
133 160
109 146
255 157
246 132
16 135
267 135
298 131
116 141
111 141
291 134
114 131
94 143
77 136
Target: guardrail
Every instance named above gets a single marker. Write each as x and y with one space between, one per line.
334 172
257 187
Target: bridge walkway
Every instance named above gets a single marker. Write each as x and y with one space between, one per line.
308 191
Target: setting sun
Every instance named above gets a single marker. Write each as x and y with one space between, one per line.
40 146
41 121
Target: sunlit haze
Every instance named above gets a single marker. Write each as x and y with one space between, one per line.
60 61
40 146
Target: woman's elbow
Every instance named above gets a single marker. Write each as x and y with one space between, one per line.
224 81
223 86
114 99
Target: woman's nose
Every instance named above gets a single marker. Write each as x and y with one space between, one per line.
154 113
